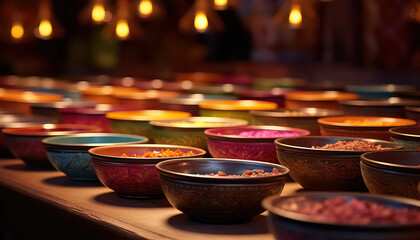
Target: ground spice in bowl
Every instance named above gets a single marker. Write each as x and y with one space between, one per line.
246 173
162 153
355 145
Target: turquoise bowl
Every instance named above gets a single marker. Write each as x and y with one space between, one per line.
409 137
69 154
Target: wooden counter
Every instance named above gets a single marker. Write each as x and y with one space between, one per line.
45 203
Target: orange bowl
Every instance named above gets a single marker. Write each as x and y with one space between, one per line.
105 94
20 100
317 99
361 126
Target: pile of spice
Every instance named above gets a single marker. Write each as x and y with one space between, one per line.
267 134
247 173
368 122
355 145
197 123
353 211
162 153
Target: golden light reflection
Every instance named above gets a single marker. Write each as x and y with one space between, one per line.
45 28
98 12
17 30
200 22
220 4
122 29
145 8
295 17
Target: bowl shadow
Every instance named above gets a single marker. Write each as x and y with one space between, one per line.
64 181
256 226
112 198
23 167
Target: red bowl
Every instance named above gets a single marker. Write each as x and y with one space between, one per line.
133 177
26 142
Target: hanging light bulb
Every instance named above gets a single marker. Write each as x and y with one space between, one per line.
201 18
17 31
145 8
220 4
150 9
95 12
123 26
295 14
47 27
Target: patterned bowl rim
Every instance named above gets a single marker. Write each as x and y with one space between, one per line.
281 144
372 160
404 133
268 203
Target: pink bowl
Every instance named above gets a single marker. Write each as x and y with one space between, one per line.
26 142
225 143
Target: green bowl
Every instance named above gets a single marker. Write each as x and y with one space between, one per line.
188 133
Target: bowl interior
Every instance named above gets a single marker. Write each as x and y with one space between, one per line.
238 105
283 206
320 96
94 140
200 122
344 121
147 115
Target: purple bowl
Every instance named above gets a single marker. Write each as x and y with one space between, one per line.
225 142
94 116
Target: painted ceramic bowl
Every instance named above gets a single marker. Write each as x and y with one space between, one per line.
409 137
324 169
234 108
189 102
361 126
248 142
137 122
105 94
189 131
275 95
69 154
51 109
392 173
285 223
13 121
133 177
19 100
317 99
413 113
26 142
95 116
392 107
145 99
379 90
305 118
218 199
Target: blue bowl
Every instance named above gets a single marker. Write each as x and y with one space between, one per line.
69 154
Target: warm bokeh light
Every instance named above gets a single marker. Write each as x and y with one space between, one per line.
295 17
17 30
122 30
98 12
45 28
220 4
200 22
145 8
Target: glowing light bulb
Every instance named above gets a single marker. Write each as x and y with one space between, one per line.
295 17
17 30
200 22
145 8
98 12
45 28
122 30
220 4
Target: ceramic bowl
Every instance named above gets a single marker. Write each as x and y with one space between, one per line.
20 100
51 109
13 121
275 95
392 173
189 131
284 82
391 107
26 142
287 224
234 108
413 113
361 126
304 118
189 102
217 89
137 122
409 137
145 99
226 143
322 169
379 90
317 99
69 154
218 199
95 116
133 177
198 77
105 94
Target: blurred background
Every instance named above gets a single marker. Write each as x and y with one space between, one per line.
347 41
